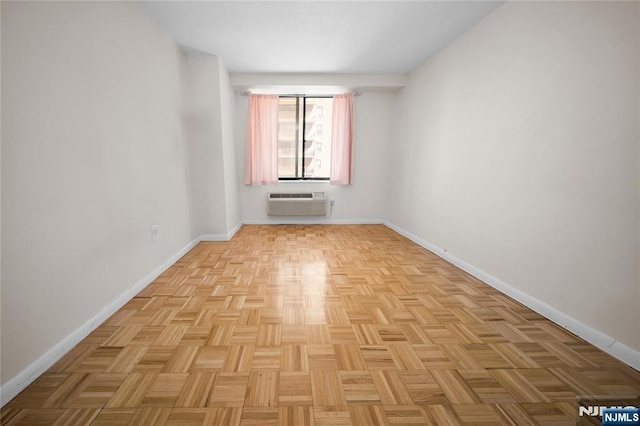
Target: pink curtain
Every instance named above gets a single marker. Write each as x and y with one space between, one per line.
342 142
262 140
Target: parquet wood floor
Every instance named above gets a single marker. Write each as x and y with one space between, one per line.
321 325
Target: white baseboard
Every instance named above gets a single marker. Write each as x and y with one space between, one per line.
235 229
221 237
17 384
315 221
608 344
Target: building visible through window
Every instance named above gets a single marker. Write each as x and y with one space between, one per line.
304 137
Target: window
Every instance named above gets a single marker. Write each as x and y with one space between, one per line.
304 137
283 145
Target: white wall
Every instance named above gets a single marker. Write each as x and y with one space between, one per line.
210 132
638 262
93 154
203 124
227 133
361 202
0 190
517 152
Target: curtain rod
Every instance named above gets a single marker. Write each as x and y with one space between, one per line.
247 93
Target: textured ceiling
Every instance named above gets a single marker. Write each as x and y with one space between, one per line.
318 36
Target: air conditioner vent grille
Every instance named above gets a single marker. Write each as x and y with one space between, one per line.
297 204
296 195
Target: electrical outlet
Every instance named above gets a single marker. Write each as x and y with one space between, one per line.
333 201
155 233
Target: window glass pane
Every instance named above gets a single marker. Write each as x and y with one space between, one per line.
288 137
317 155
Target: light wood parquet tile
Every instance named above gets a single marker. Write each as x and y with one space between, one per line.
326 389
266 358
238 359
262 389
252 416
368 415
486 387
514 414
518 386
423 388
359 388
321 325
229 390
188 417
59 395
126 360
378 357
441 415
39 416
79 416
132 390
196 390
96 391
295 389
155 359
455 388
391 387
115 416
477 414
295 416
332 416
151 416
165 390
294 358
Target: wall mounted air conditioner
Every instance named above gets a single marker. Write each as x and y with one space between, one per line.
297 204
